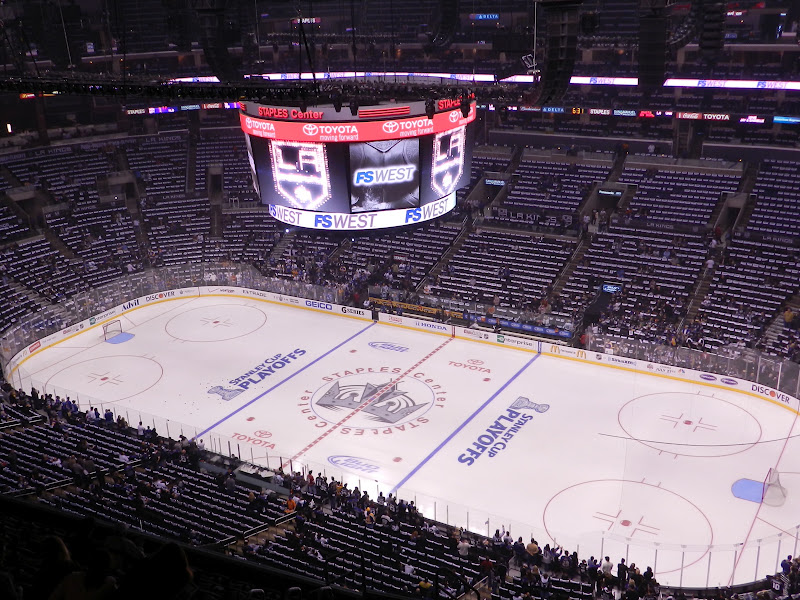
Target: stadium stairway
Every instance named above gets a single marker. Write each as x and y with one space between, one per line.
36 297
746 186
619 166
450 253
279 248
59 245
569 268
12 179
698 293
776 327
627 196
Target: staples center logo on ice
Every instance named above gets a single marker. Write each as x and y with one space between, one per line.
310 129
384 404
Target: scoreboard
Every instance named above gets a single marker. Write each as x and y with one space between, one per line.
371 168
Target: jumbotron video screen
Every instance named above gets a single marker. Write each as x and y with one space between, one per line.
385 166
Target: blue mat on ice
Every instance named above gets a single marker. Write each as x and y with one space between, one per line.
748 489
120 338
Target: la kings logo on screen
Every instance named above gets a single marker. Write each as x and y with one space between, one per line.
448 161
300 173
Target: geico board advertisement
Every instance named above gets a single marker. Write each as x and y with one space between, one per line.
363 221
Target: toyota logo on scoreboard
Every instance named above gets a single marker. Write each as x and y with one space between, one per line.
355 131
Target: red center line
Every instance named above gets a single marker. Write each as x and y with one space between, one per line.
366 403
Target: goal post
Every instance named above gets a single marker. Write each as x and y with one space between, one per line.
774 494
111 329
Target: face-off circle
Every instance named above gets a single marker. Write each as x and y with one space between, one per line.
108 378
641 512
380 401
216 323
689 424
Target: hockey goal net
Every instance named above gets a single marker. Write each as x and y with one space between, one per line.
111 329
774 494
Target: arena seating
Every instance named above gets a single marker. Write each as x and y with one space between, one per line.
11 226
225 147
101 235
34 263
550 191
476 272
408 256
677 197
776 210
160 161
249 236
747 291
657 272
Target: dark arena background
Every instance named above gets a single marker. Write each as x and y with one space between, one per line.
399 298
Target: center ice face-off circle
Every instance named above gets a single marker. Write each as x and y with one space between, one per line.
216 323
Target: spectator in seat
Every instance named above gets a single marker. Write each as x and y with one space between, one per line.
95 583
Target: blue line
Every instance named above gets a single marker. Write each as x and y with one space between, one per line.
280 383
464 424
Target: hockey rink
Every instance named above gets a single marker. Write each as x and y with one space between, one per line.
598 459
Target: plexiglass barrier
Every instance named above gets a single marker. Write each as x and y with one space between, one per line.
675 564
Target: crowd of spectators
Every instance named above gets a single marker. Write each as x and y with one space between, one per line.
310 502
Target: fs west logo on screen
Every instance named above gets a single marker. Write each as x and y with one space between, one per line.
362 177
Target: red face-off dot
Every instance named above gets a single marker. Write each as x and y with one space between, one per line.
352 351
625 523
251 418
104 379
687 422
397 459
487 379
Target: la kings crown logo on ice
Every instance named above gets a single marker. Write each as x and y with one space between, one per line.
375 400
300 173
385 402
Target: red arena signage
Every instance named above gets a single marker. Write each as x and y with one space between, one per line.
274 112
354 131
